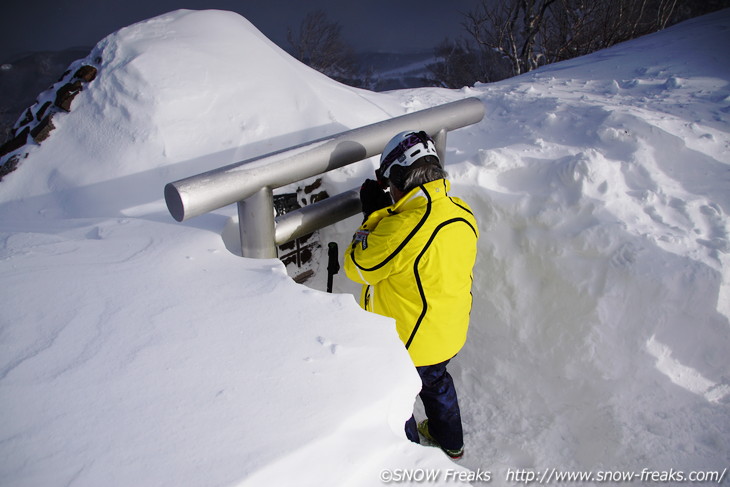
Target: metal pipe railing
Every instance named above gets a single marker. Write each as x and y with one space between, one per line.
255 179
290 226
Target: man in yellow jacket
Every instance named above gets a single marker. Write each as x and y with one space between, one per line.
414 258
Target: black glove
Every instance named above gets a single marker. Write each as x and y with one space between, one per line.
373 197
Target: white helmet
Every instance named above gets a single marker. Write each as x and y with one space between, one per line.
404 149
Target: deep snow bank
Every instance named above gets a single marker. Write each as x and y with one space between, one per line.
601 327
137 351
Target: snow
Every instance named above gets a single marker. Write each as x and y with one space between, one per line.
140 351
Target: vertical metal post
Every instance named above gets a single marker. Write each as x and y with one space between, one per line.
439 140
256 225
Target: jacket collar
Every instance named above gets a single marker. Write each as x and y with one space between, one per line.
421 195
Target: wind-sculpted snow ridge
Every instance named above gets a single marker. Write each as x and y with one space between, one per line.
601 319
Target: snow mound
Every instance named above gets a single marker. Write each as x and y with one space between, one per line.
139 351
136 351
138 125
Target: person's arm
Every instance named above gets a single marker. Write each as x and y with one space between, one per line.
367 259
373 198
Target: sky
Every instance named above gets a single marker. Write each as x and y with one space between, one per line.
383 25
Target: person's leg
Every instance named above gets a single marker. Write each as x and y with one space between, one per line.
412 430
441 406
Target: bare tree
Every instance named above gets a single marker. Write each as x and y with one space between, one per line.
571 30
579 27
530 33
319 44
510 28
459 64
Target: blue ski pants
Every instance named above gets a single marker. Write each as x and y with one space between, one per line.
442 408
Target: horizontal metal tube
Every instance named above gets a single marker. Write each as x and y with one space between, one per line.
214 189
310 218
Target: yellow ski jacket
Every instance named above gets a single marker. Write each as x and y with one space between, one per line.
415 261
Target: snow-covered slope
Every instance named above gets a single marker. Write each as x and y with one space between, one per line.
137 351
140 351
601 330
